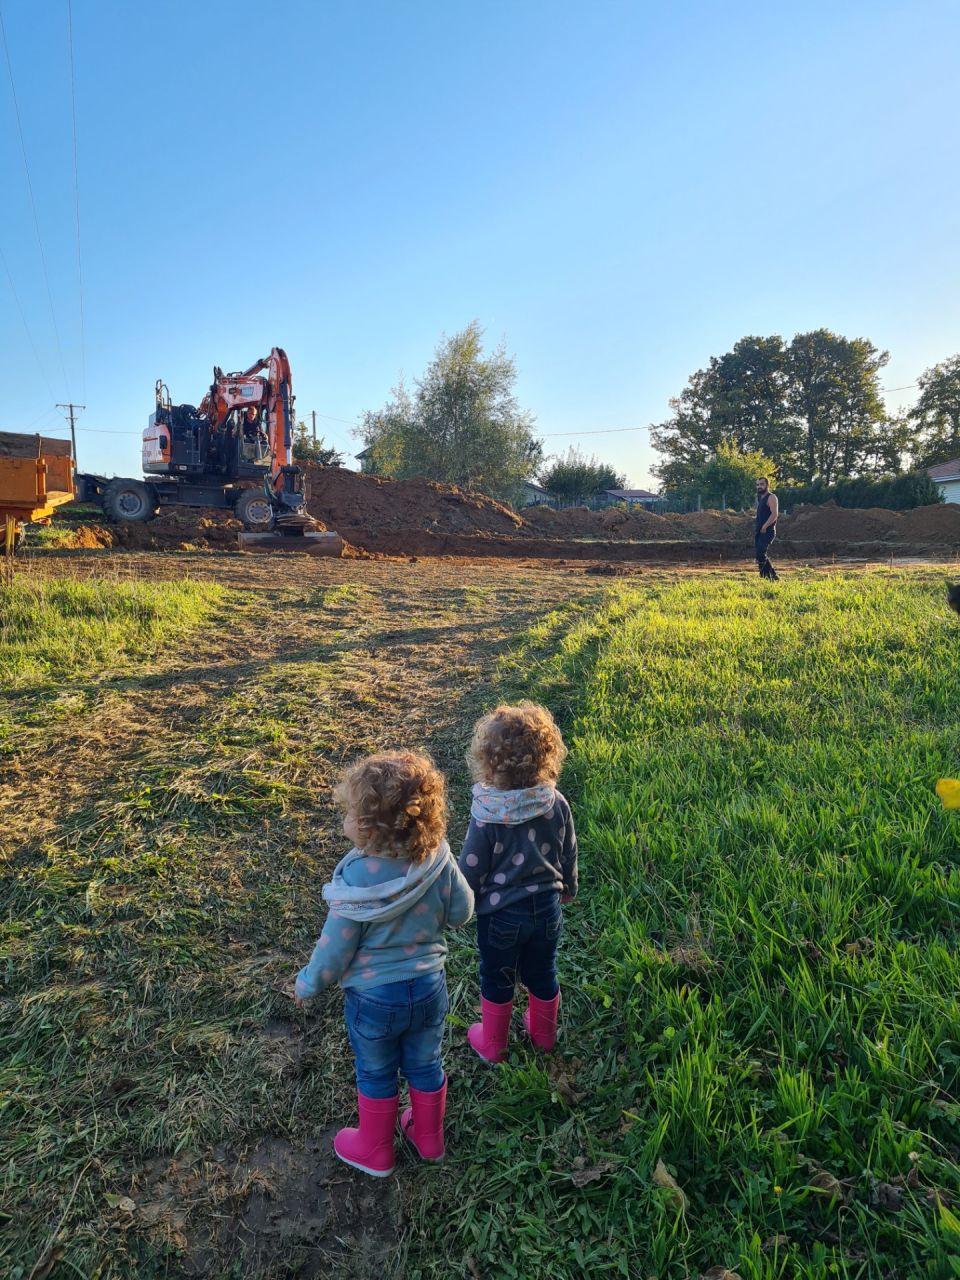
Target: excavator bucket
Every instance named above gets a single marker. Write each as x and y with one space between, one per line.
294 530
311 543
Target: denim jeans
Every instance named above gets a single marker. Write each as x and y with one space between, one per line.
762 543
398 1027
521 937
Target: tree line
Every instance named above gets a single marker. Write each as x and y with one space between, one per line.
809 411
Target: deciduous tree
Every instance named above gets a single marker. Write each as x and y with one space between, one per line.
573 476
936 415
461 425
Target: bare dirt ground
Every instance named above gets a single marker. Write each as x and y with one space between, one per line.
397 518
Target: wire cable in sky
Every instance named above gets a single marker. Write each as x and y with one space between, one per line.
26 327
33 203
76 200
40 416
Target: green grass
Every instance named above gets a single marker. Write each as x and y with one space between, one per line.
63 627
761 976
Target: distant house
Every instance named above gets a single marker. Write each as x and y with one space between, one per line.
534 495
365 458
947 478
632 497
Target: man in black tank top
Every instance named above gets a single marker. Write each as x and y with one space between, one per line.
768 508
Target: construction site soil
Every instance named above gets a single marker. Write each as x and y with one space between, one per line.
378 517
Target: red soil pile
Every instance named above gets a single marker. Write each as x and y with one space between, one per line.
636 525
358 505
726 525
831 523
935 524
417 517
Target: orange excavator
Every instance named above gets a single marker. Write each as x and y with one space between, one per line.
234 451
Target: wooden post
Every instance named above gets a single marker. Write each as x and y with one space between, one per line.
9 546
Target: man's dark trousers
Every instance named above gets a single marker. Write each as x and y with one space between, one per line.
762 543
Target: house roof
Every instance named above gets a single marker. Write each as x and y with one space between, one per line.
945 470
364 452
636 495
530 484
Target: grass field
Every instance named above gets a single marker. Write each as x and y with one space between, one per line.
760 1044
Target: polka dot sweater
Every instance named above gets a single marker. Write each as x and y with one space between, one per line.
376 952
505 863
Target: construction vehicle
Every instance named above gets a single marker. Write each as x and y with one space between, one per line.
235 451
36 477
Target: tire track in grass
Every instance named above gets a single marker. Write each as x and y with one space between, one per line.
161 905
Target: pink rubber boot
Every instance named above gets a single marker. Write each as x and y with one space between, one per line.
540 1021
370 1147
422 1122
489 1037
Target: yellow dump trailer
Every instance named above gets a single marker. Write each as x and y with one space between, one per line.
36 477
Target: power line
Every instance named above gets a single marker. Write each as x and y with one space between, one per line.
611 431
33 203
906 388
102 431
23 321
76 198
346 421
39 418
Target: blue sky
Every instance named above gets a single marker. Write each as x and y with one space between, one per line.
618 191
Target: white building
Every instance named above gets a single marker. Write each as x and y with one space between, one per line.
947 477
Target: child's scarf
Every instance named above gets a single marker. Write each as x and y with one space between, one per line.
388 900
510 808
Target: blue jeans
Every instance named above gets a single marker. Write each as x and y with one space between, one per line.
521 937
398 1027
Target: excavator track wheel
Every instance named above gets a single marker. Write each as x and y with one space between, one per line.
255 510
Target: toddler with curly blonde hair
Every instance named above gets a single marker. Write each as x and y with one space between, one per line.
390 900
520 859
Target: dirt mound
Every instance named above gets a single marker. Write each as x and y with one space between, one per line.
356 505
710 524
89 537
635 525
179 529
831 523
934 524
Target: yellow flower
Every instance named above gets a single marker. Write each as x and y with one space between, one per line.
948 789
778 1191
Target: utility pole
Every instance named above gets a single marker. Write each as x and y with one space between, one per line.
313 415
73 429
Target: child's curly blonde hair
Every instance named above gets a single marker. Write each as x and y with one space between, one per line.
515 747
399 801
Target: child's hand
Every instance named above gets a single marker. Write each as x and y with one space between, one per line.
948 789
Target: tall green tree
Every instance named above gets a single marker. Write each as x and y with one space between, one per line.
834 391
813 406
740 399
461 425
936 415
573 476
